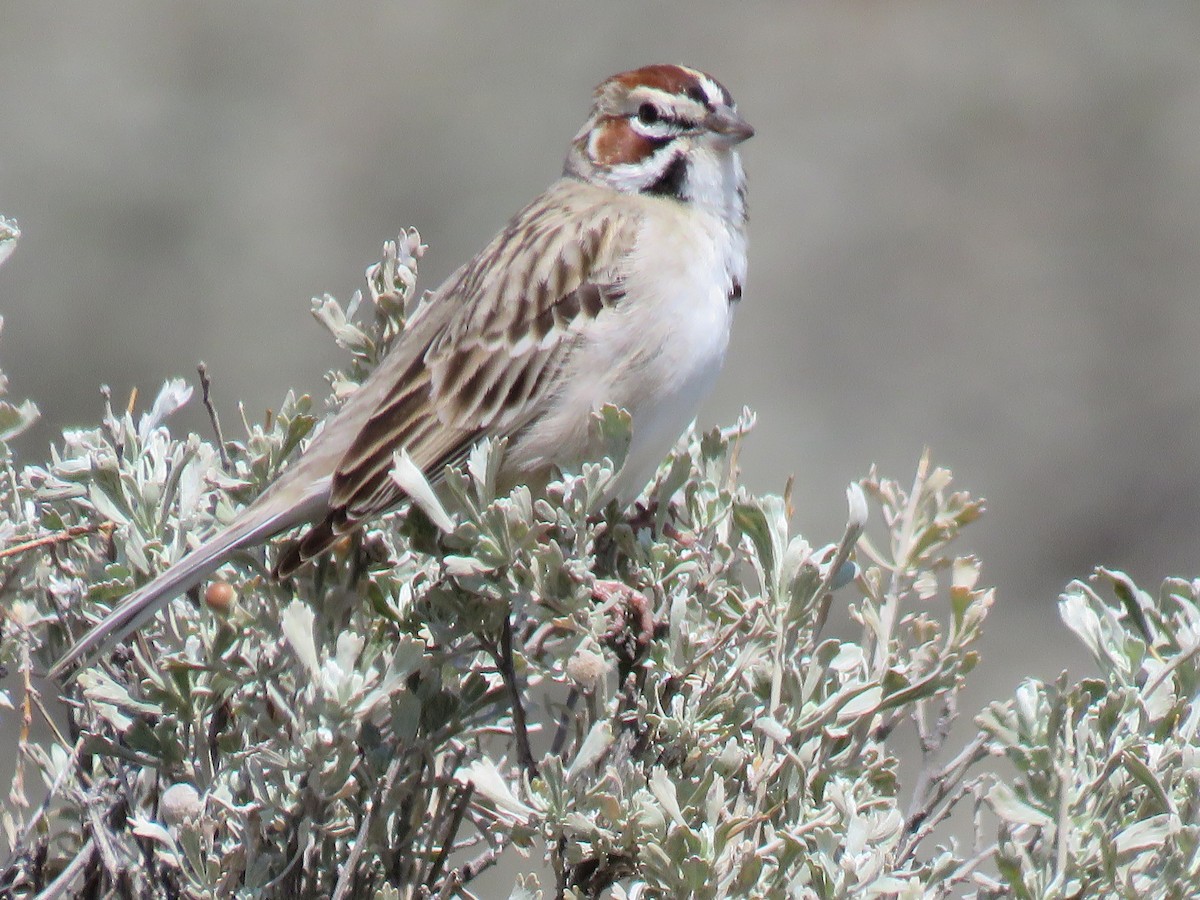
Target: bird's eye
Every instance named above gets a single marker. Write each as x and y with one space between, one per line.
648 114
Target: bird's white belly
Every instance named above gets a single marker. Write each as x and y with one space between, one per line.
657 354
674 385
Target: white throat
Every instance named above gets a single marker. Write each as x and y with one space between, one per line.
716 183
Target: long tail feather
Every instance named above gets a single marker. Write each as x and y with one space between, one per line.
253 526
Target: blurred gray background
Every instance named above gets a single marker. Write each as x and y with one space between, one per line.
975 227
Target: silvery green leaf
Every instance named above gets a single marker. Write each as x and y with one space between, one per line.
1146 833
409 478
349 646
490 784
135 551
146 828
897 888
1144 774
526 888
9 235
409 249
483 464
926 585
849 658
296 622
113 701
663 790
771 727
1135 601
764 521
466 566
1014 811
16 419
714 802
329 312
672 478
610 430
797 554
1078 615
856 501
599 738
172 396
1160 699
395 276
408 655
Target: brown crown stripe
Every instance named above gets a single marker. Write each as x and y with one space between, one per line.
670 78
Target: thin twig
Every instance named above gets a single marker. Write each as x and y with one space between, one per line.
65 772
966 871
58 537
448 793
462 798
444 790
934 786
471 869
287 870
346 876
931 745
66 878
504 662
824 593
108 853
205 387
27 694
564 723
934 818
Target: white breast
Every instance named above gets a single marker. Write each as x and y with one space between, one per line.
659 352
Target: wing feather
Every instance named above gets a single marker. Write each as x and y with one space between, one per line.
494 339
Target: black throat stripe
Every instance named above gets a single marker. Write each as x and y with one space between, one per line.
672 181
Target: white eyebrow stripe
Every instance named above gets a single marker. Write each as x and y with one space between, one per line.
646 93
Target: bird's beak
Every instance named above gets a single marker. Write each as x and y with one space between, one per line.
727 126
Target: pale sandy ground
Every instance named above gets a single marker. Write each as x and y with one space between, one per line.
975 226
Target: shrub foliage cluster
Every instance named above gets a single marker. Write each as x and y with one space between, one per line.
625 703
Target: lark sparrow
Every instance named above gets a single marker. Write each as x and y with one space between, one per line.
616 285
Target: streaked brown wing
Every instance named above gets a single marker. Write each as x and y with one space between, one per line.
510 319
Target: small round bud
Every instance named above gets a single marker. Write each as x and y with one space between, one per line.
220 597
180 804
586 668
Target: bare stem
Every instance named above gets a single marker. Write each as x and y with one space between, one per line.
205 389
346 876
503 657
58 537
